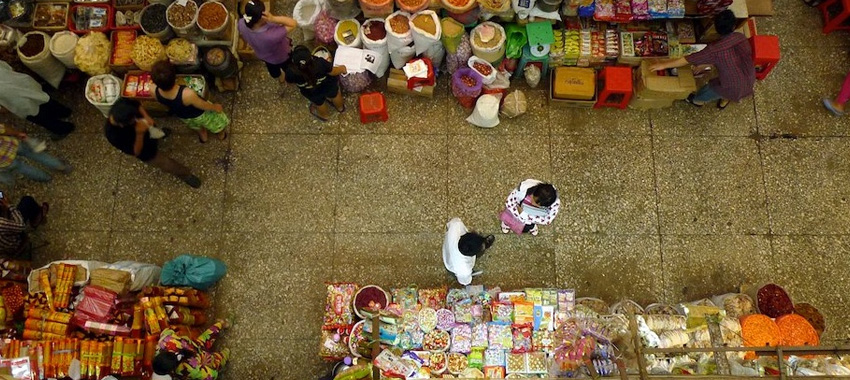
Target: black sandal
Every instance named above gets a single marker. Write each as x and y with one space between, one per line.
722 103
690 99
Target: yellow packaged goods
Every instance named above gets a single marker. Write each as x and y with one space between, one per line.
115 280
52 316
574 83
147 51
92 54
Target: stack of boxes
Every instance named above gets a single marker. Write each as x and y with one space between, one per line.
659 89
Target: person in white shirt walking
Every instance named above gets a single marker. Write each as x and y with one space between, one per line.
461 247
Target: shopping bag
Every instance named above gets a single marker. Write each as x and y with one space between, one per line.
512 222
195 271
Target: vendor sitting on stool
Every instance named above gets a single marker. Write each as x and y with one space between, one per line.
460 249
733 58
187 358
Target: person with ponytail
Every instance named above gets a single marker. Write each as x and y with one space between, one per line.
317 79
268 35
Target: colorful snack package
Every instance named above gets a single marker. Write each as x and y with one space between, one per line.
445 319
544 317
479 335
476 358
338 311
494 372
542 340
550 297
456 295
566 300
499 335
407 298
463 311
511 296
521 337
640 9
333 346
534 295
503 312
515 363
523 312
494 357
461 339
433 298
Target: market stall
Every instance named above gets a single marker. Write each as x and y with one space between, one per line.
93 319
478 332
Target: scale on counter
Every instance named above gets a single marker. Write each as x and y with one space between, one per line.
540 38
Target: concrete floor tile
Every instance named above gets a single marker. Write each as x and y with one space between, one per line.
808 185
391 184
699 266
603 121
813 269
390 260
484 169
151 200
606 183
611 267
814 73
535 122
263 105
77 245
91 186
260 183
408 114
790 15
738 119
515 262
160 247
710 186
263 359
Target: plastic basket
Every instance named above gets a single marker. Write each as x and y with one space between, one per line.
72 25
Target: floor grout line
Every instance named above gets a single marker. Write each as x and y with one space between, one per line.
652 149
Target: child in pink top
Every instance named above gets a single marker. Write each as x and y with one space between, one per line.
268 35
837 106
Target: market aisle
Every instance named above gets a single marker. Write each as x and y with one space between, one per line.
662 206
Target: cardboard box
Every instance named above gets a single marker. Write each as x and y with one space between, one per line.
574 83
397 83
651 85
553 101
760 7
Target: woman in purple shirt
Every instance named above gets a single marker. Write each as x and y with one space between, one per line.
268 35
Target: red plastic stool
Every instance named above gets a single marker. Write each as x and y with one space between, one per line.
373 107
835 13
615 87
765 54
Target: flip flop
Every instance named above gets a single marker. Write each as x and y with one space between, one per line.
690 99
223 136
828 104
315 113
721 105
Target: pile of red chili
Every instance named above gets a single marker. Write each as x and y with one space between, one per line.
773 301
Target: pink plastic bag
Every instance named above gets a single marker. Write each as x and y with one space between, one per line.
511 221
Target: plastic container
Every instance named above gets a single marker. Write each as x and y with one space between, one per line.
72 25
219 32
62 46
43 17
121 68
43 63
189 31
104 107
164 34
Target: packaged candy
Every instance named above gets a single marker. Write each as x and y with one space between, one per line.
534 295
436 340
523 312
438 362
494 357
544 317
675 8
476 358
542 340
393 364
604 10
445 319
640 9
463 311
499 334
462 339
333 346
433 298
457 363
622 10
477 312
521 338
494 372
456 295
503 312
550 297
566 300
658 9
536 362
515 363
511 296
479 335
407 298
427 319
338 311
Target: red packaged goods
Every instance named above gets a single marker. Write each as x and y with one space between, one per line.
97 305
773 301
522 334
338 306
433 298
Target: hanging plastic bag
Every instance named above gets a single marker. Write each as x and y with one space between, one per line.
324 27
453 32
532 75
374 36
306 13
355 82
515 104
195 271
486 112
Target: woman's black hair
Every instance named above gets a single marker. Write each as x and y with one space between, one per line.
301 61
471 244
125 111
545 194
164 363
253 12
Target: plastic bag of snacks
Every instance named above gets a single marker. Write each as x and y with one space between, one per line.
479 335
92 53
333 346
466 86
463 312
433 298
500 336
338 311
462 339
521 337
405 297
503 312
532 75
324 27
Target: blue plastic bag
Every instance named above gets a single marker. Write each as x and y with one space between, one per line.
195 271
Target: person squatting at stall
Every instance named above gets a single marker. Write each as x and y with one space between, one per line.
13 146
24 97
460 249
198 114
531 203
317 79
268 35
837 106
128 130
187 358
733 58
16 220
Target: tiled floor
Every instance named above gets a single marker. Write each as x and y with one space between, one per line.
667 205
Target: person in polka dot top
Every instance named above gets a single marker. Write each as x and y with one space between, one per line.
531 203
